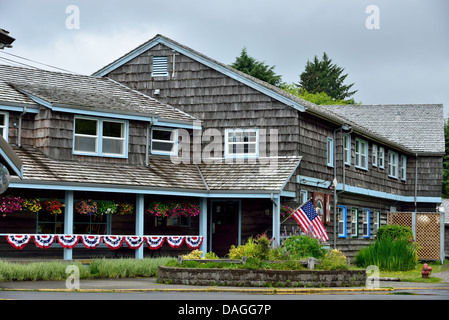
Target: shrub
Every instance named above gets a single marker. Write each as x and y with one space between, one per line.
394 232
298 247
334 260
210 255
258 248
195 254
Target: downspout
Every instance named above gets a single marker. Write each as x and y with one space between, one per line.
147 147
416 181
19 134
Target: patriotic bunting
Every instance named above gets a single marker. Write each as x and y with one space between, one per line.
154 242
68 241
18 241
90 241
44 241
193 242
113 242
134 242
175 241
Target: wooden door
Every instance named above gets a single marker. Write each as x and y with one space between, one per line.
224 226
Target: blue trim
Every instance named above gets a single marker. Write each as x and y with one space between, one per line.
18 171
177 125
30 109
195 56
289 194
130 190
314 182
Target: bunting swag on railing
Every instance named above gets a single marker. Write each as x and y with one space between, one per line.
44 241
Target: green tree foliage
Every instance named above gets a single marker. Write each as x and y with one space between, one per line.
324 76
257 69
316 98
446 161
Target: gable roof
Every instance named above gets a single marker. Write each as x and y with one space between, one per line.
365 120
24 86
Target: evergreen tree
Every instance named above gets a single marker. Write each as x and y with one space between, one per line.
257 69
323 76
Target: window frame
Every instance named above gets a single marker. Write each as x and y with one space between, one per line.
361 154
99 137
403 167
5 127
255 154
175 142
381 158
374 156
376 220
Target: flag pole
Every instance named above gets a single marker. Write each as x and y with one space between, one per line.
297 209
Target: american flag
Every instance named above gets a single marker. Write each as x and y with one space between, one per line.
309 220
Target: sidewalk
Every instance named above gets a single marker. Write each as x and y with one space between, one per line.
150 284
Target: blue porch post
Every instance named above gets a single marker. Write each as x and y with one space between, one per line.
277 220
139 222
68 221
203 224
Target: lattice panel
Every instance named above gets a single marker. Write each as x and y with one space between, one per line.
401 218
428 235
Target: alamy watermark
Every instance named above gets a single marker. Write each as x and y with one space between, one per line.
72 22
373 20
73 280
372 280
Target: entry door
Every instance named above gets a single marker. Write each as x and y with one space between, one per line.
224 226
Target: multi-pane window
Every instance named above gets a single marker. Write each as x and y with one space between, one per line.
100 137
376 220
381 157
366 223
374 159
361 154
342 221
241 142
393 164
164 141
404 168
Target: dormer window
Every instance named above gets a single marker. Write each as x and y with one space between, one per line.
164 141
241 143
100 137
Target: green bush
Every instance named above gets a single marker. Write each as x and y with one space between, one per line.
258 248
389 254
334 260
299 247
394 232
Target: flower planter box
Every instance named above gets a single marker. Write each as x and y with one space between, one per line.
262 278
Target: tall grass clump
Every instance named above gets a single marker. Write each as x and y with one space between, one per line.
126 268
36 271
389 254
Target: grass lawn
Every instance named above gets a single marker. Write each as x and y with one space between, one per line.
415 274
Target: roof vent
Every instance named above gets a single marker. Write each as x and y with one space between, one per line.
160 67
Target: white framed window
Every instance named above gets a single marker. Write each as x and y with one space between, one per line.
241 142
376 220
160 66
330 152
347 149
393 160
366 223
381 157
342 218
404 168
4 119
303 196
100 137
164 141
374 157
354 222
361 154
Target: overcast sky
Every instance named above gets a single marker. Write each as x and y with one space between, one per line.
403 59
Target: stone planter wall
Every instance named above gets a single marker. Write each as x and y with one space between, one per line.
261 278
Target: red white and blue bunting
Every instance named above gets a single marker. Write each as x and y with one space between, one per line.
44 241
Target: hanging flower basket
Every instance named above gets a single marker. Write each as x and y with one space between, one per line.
125 208
106 207
52 206
31 205
173 209
88 207
10 204
286 212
